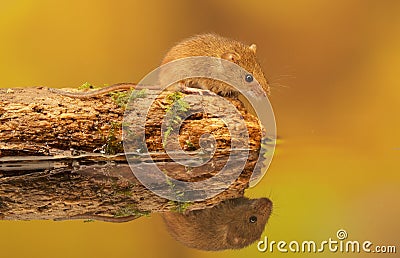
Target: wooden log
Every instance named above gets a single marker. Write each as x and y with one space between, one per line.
63 156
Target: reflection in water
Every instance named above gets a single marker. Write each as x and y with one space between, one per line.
232 224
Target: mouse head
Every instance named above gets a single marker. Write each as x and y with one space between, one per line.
247 227
245 56
232 224
216 46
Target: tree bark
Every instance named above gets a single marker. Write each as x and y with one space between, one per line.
63 156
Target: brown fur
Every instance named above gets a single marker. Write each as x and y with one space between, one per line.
217 46
200 45
225 226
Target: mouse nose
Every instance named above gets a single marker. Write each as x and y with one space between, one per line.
264 205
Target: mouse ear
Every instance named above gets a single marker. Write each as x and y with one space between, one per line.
253 48
231 56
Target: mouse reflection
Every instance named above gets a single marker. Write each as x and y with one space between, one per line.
232 224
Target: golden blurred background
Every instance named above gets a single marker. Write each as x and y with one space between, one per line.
334 67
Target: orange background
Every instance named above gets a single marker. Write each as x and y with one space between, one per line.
334 67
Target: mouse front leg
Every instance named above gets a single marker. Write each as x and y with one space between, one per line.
187 89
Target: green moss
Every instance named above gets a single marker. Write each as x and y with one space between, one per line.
178 194
122 190
167 133
130 210
122 98
139 93
177 107
113 144
190 146
179 206
176 103
86 86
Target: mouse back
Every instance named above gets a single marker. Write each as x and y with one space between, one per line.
217 46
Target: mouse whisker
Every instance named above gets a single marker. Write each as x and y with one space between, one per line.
277 84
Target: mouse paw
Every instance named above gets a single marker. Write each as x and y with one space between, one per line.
197 91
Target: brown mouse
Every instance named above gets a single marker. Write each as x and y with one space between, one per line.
232 224
200 45
213 45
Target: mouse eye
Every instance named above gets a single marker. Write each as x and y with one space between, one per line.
248 78
252 219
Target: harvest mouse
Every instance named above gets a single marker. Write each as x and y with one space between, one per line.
232 224
211 45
